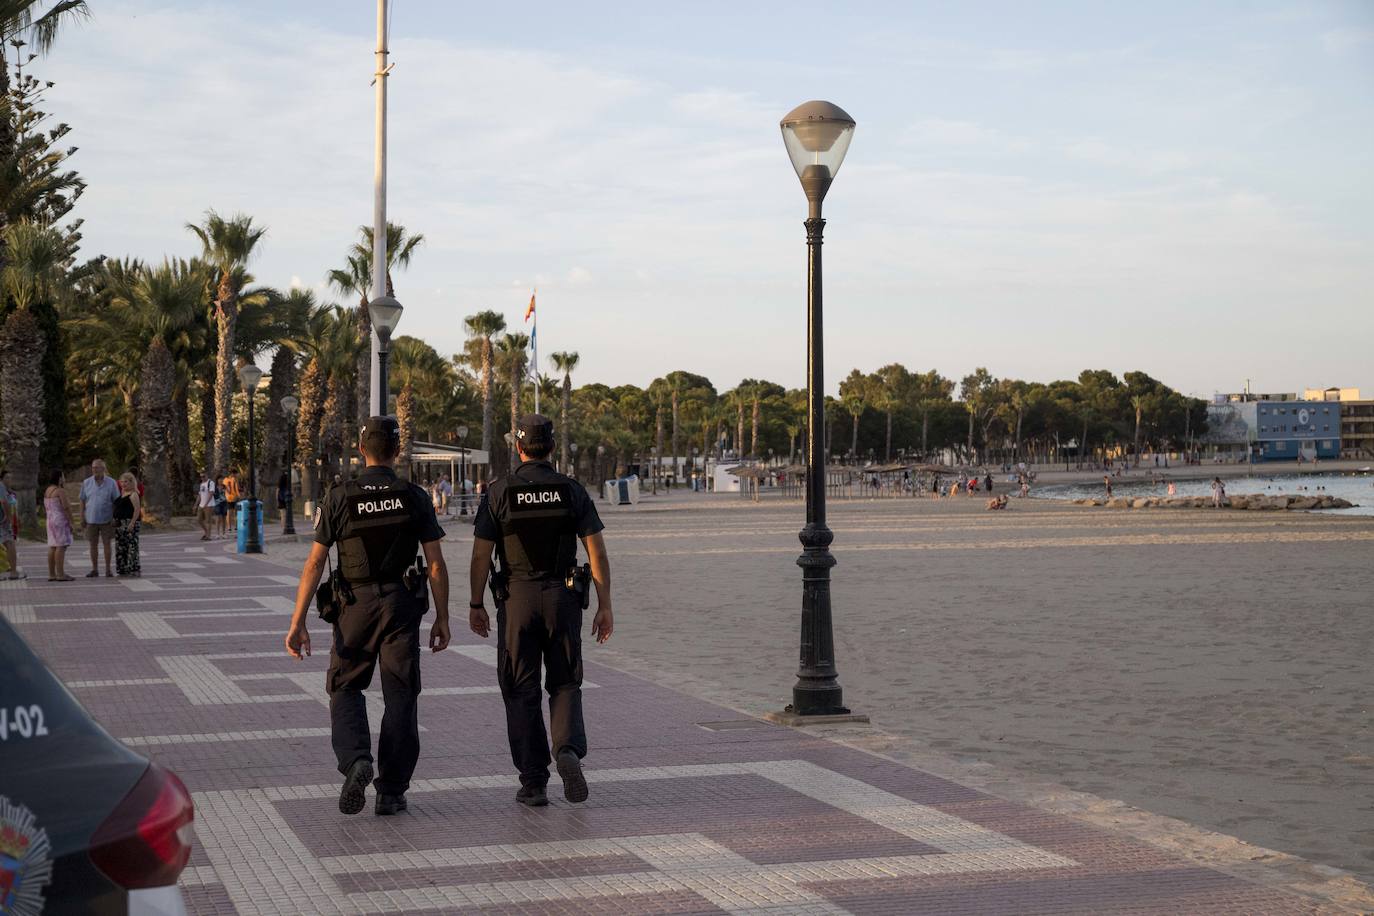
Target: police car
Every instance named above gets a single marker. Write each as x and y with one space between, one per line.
86 825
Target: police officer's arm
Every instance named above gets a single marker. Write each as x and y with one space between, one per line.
438 587
297 637
478 620
604 622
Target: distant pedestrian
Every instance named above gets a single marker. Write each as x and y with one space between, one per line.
7 528
128 520
1107 482
59 526
1173 489
205 505
1218 493
98 495
231 499
221 507
445 493
987 483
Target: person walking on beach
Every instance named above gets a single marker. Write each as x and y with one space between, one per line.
98 495
7 529
59 527
1218 492
987 483
128 520
1107 482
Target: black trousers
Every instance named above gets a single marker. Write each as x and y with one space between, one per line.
382 624
541 623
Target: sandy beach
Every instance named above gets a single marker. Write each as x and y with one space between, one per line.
1211 666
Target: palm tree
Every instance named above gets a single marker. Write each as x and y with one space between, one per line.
165 304
355 279
331 344
284 323
482 327
854 396
227 245
514 358
565 362
34 272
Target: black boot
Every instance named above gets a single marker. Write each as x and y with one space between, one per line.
533 796
570 770
390 804
353 795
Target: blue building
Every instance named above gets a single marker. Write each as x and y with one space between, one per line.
1287 430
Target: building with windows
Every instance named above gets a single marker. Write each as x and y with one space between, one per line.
1357 419
1289 430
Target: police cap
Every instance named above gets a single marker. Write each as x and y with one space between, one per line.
380 435
534 430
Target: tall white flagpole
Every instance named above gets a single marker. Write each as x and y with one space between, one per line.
378 397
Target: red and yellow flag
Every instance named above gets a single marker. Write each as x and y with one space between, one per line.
530 311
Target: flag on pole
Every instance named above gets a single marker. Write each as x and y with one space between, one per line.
529 312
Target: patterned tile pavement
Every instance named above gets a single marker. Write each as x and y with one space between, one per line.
186 665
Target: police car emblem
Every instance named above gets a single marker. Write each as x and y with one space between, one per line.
25 861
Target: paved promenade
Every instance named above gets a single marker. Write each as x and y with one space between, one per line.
695 808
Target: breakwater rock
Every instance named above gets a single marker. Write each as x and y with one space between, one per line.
1258 501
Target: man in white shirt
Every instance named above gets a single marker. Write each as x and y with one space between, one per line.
205 504
98 495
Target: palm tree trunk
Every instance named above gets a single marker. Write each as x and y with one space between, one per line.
1137 437
274 431
21 394
331 427
887 448
675 439
154 429
362 366
405 418
514 409
925 434
854 440
226 317
754 430
488 407
208 409
1083 443
183 465
308 428
563 422
658 443
739 429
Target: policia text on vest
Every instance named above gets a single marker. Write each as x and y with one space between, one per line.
531 522
375 602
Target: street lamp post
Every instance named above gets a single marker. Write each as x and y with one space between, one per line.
385 313
817 136
653 472
573 448
289 406
462 471
249 376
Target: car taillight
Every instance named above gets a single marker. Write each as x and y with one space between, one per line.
146 840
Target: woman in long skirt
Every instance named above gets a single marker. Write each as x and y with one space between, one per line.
128 519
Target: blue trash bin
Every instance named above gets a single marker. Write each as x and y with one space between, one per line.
243 522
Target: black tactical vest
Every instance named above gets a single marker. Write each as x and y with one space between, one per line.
538 528
378 539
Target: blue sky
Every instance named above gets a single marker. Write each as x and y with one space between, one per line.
1034 188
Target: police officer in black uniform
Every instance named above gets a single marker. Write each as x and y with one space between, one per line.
379 523
533 519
